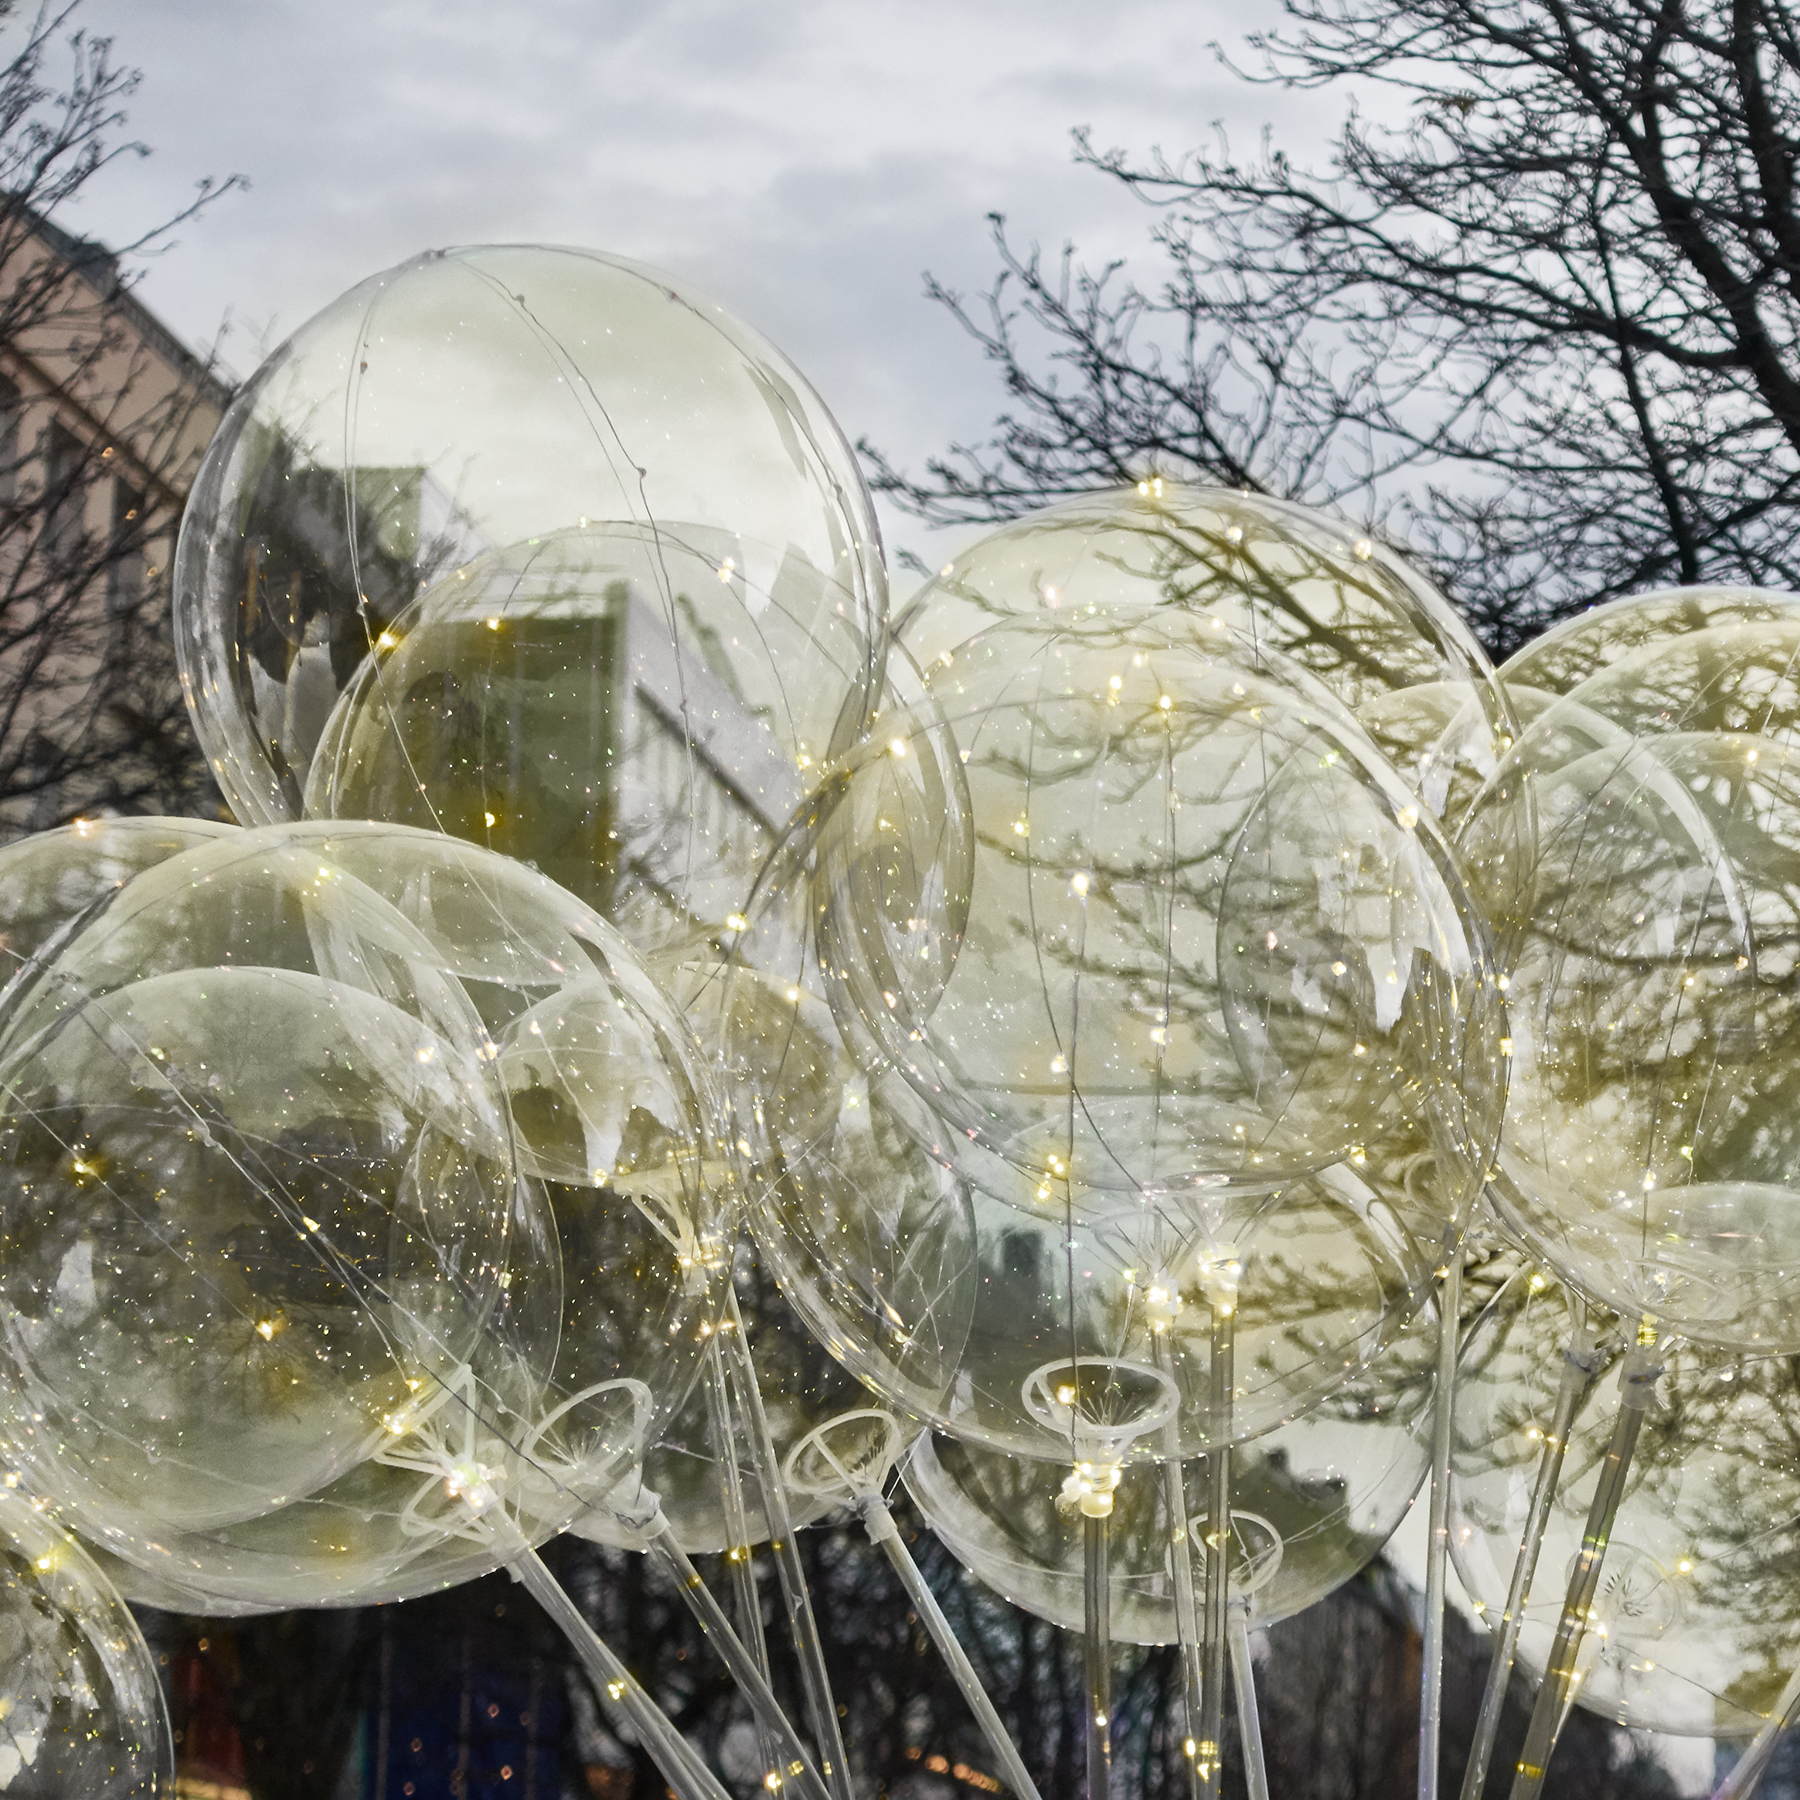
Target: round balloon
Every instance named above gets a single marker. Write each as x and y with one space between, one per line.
1296 584
1149 925
572 1372
256 1191
546 549
81 1709
55 880
1636 855
1017 1327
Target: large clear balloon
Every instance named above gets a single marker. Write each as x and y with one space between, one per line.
1015 1321
543 548
1568 653
1637 853
512 1383
57 880
257 1179
81 1709
1147 926
1146 978
1695 1627
1311 1503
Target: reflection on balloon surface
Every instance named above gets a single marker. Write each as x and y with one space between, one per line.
542 548
1207 944
960 1308
299 1119
1296 585
55 880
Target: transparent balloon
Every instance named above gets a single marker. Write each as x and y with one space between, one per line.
1695 1628
1568 653
81 1709
542 703
614 1112
1636 853
56 880
604 1306
545 549
257 1178
1145 928
1312 1502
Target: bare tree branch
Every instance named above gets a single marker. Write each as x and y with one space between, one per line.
1544 328
103 417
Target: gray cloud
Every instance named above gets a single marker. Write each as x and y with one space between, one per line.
806 161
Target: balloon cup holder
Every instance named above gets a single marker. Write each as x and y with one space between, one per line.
1100 1403
848 1456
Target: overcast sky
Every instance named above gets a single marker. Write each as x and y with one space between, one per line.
806 161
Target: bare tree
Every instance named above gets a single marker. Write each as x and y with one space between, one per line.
103 417
1536 316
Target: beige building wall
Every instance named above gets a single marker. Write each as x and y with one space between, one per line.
104 417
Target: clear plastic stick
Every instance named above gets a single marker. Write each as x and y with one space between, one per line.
737 1532
795 1765
1243 1671
739 1550
882 1530
1216 1625
1181 1568
619 1692
1580 1363
1750 1768
1187 1614
803 1629
1637 1383
1437 1550
1097 1648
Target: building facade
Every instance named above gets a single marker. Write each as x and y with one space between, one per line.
104 417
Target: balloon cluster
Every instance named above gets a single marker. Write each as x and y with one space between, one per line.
1635 853
1112 994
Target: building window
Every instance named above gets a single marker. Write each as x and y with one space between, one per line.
125 553
65 494
11 404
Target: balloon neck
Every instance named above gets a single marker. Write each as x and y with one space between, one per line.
1640 1372
1088 1489
1221 1270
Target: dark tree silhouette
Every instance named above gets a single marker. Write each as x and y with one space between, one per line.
1536 317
